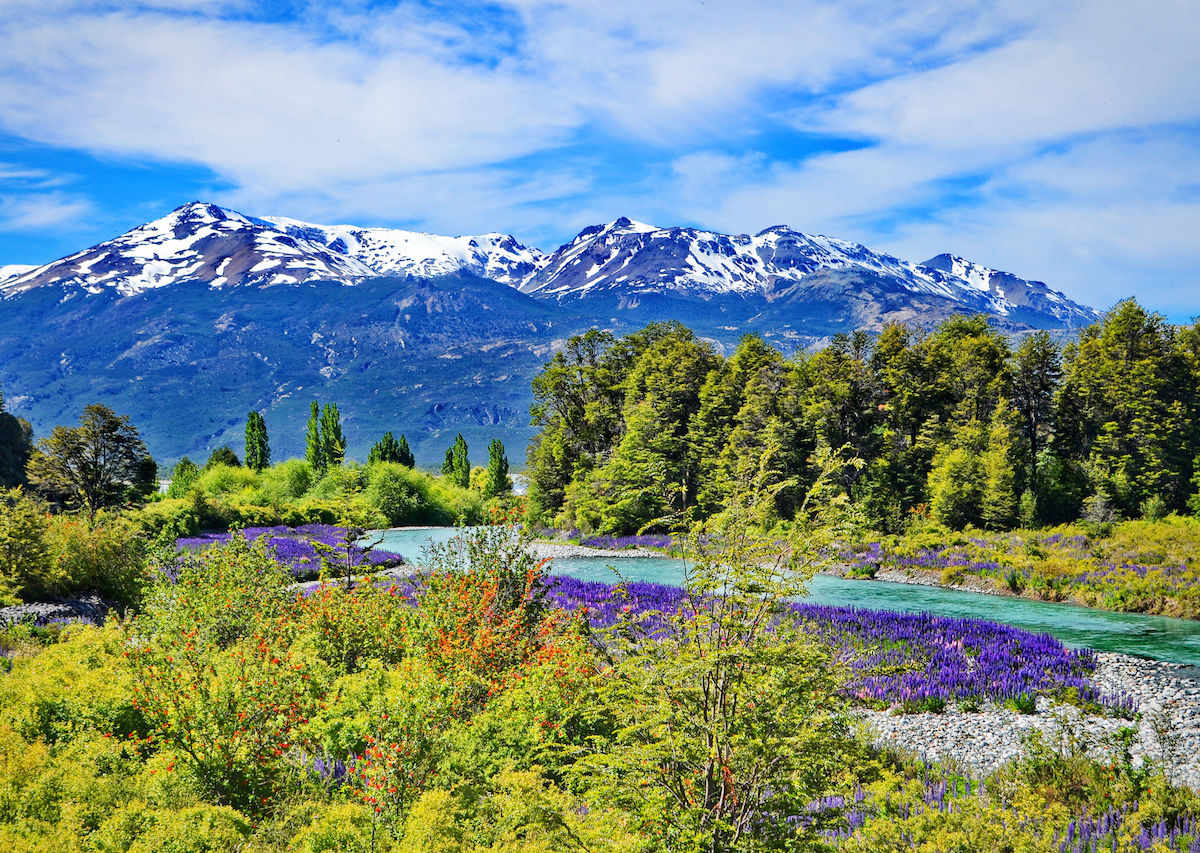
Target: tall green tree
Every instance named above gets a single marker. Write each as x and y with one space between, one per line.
497 481
314 446
333 441
998 503
183 475
387 449
457 465
102 462
651 475
258 447
1122 409
16 444
1036 369
956 479
223 455
406 457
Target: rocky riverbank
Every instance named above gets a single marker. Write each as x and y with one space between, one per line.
544 550
1167 727
85 607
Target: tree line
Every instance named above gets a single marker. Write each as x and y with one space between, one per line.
959 422
102 462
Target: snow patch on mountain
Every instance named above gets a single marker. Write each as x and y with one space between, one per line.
8 271
196 242
391 251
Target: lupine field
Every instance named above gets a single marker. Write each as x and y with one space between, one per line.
915 660
301 549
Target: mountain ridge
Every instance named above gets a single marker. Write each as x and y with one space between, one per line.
621 262
189 321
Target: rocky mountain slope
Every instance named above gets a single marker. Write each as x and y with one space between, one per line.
189 322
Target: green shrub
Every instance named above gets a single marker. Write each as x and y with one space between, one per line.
286 482
221 481
27 567
107 553
339 481
402 494
171 518
140 828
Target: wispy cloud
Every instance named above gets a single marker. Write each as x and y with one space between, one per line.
35 211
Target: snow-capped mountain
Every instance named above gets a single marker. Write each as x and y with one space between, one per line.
8 271
201 242
627 264
390 251
1018 296
779 276
429 335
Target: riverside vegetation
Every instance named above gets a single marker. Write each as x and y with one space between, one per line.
479 704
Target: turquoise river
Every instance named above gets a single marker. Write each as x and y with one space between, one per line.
1156 637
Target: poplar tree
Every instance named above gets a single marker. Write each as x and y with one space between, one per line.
333 442
406 455
498 481
314 447
387 449
456 466
258 449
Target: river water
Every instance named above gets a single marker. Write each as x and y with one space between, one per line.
1157 637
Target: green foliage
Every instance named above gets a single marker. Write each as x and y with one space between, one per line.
955 420
183 476
387 449
220 481
105 553
333 442
497 481
314 448
1123 408
214 675
404 495
729 720
16 445
258 447
27 569
287 481
456 467
223 455
100 463
168 519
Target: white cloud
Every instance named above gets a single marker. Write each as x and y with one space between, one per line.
38 211
1056 140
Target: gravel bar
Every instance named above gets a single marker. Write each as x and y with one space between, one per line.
1168 723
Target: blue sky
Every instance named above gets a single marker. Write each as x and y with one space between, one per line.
1056 141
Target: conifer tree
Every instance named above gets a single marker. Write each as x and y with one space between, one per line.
498 481
314 446
998 503
258 449
333 442
223 455
387 449
406 455
456 466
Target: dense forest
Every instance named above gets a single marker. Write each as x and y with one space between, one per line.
960 423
